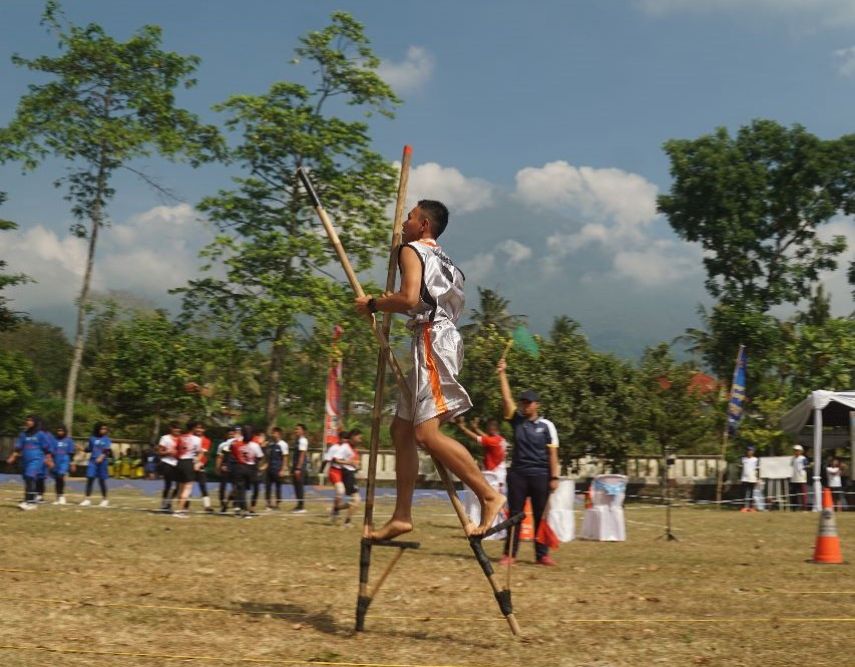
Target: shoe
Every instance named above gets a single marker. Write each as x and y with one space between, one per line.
104 503
224 510
298 510
546 560
180 515
40 499
507 560
268 509
85 502
27 506
209 510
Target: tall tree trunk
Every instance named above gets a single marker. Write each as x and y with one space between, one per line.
96 217
155 430
80 334
274 375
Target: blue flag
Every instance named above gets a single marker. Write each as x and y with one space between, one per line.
736 403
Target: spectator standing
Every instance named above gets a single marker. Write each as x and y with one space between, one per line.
798 479
202 461
246 453
33 448
349 457
749 478
300 466
834 475
100 453
276 453
167 448
151 461
62 449
225 467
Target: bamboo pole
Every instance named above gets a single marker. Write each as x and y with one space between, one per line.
364 597
726 433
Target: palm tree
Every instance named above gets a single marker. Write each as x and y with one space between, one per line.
492 312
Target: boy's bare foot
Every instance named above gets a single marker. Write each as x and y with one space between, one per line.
489 511
391 530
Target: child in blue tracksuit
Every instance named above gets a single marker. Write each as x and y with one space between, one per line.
99 450
62 450
33 447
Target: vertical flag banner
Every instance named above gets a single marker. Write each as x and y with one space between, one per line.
736 403
332 416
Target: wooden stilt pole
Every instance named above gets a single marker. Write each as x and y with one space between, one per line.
503 596
364 598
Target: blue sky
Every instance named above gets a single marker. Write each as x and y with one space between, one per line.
540 123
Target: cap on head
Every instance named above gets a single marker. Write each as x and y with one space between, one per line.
798 448
528 395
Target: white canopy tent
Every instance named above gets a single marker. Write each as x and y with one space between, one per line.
835 407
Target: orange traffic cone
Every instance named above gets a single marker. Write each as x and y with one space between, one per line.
827 548
527 525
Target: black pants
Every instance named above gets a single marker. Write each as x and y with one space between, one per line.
102 484
244 477
170 478
799 496
29 489
271 480
747 494
40 486
520 487
59 480
299 487
225 480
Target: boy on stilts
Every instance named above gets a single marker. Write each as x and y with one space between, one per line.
431 293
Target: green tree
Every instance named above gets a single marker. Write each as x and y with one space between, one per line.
820 356
8 317
48 351
755 202
105 104
16 381
269 250
493 312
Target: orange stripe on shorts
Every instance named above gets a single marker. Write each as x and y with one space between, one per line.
433 374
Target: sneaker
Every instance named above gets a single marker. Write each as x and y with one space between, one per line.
507 560
209 510
40 499
224 510
104 503
27 506
269 508
180 515
298 510
546 560
61 500
85 502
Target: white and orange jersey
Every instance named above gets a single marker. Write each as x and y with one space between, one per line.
189 446
349 455
170 449
441 295
246 453
205 449
334 452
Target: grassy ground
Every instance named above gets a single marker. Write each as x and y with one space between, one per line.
281 589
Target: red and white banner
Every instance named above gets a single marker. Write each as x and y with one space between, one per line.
332 416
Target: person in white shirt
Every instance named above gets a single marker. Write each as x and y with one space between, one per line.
188 453
349 458
299 467
834 475
749 479
225 467
333 458
276 453
798 479
167 448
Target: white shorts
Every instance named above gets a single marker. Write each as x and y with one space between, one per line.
437 351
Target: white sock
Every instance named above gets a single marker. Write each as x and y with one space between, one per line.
206 502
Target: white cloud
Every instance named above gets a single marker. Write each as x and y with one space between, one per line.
478 269
447 184
410 74
516 251
825 13
149 254
846 61
623 198
657 264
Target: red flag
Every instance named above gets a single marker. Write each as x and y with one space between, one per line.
332 410
545 534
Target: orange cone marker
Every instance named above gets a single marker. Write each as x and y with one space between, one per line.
827 548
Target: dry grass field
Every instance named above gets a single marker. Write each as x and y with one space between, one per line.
122 586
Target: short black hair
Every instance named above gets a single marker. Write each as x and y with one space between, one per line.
302 426
437 213
276 429
354 432
174 425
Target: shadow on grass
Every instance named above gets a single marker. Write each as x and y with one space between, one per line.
322 621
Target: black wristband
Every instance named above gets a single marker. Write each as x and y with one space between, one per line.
372 305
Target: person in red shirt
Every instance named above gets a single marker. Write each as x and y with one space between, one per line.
495 448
